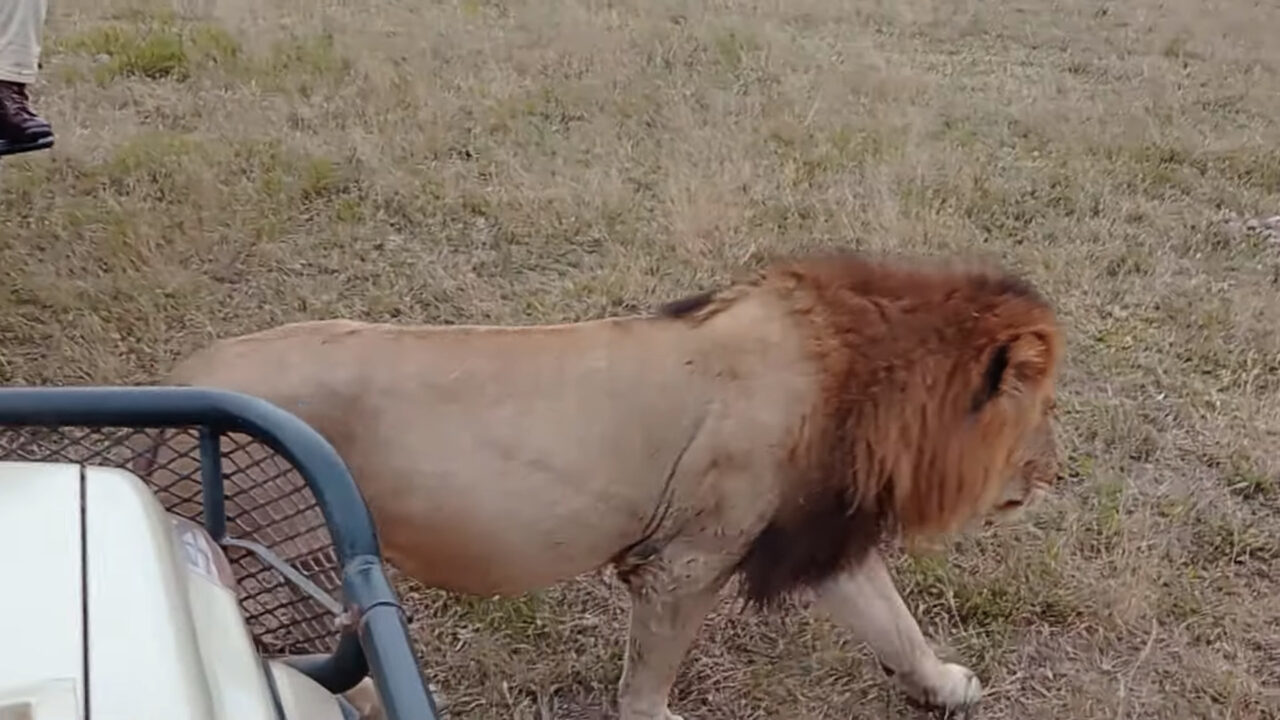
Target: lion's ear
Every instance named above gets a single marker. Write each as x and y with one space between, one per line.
1025 360
1031 357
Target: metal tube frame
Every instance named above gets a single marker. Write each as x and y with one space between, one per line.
380 646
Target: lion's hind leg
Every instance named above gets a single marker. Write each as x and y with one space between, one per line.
864 600
671 595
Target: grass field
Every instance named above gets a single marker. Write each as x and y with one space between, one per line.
224 165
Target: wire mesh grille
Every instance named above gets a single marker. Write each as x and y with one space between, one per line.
266 501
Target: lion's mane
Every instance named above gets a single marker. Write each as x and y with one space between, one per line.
928 381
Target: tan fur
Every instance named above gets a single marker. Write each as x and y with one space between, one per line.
779 428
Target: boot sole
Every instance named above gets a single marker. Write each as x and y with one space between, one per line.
13 148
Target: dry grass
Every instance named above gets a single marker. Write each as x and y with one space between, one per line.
225 165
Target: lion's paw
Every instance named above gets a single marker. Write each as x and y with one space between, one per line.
949 687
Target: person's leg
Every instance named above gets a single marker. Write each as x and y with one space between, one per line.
21 26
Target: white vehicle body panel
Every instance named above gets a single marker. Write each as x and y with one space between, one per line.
144 624
41 604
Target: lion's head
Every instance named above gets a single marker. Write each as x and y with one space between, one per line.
937 393
1037 470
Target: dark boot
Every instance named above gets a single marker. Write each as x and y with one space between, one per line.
21 130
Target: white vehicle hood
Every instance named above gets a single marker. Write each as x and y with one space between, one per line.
113 609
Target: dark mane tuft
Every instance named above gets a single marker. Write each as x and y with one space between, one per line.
825 535
686 306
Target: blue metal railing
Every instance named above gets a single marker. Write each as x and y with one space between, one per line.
380 647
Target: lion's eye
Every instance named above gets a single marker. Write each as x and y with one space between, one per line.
1010 504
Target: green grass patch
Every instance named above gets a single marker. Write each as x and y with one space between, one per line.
155 47
1005 597
161 47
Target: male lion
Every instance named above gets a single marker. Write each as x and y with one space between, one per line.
777 430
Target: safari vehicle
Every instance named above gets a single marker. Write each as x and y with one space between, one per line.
204 591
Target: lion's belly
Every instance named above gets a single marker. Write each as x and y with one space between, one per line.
504 541
504 488
481 506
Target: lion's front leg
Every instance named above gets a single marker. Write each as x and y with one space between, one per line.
864 600
671 595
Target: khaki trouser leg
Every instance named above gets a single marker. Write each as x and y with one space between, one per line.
21 24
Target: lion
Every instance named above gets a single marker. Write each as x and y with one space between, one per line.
776 430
